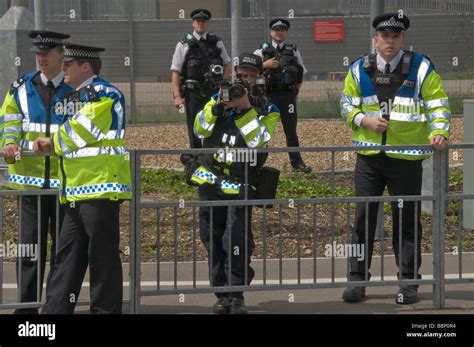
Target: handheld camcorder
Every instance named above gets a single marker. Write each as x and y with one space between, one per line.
215 74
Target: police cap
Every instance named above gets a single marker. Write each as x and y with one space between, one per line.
393 22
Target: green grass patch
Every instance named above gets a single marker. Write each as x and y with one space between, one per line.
172 184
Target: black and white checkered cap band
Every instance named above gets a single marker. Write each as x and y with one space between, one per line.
47 40
80 53
392 22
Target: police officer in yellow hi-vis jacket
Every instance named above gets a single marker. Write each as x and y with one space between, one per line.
28 112
95 178
393 97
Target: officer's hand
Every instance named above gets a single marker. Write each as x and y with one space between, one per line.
43 145
10 152
242 103
439 142
178 101
377 124
271 63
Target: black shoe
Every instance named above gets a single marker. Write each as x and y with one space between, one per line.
407 295
238 306
354 294
301 167
26 311
222 306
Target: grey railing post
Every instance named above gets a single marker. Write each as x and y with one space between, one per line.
468 164
134 265
439 191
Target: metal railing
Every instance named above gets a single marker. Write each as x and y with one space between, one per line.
439 199
274 270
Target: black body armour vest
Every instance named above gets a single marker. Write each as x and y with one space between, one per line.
387 84
201 55
289 74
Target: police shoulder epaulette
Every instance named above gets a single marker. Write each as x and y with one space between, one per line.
293 47
16 84
188 38
369 61
406 62
92 95
360 57
213 38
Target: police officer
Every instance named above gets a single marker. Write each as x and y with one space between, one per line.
95 179
29 112
244 122
393 97
284 69
192 79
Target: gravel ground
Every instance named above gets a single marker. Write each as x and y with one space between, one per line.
312 133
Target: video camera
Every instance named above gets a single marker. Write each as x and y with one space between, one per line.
214 75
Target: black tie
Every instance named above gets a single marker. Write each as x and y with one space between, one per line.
387 68
50 85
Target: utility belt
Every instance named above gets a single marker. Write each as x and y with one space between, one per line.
191 84
264 181
203 88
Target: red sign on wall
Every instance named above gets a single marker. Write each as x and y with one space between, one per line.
329 30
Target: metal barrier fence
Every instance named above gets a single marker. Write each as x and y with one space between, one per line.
8 207
439 199
318 221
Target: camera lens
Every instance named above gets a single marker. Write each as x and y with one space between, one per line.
236 91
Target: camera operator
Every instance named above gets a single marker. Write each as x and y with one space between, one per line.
283 70
199 63
238 117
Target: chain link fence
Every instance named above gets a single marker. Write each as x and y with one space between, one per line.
140 37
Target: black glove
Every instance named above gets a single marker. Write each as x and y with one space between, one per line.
190 166
218 110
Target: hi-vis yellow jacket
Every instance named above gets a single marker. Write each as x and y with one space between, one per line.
93 161
420 109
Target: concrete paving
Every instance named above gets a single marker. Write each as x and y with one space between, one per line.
380 299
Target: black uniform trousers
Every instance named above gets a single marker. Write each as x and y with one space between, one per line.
225 230
27 267
194 102
90 236
402 177
285 100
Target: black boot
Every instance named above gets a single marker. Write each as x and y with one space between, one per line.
238 305
354 294
301 167
407 295
222 306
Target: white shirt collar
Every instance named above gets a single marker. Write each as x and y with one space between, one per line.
277 45
56 80
198 37
86 82
393 63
